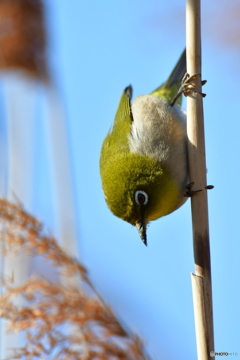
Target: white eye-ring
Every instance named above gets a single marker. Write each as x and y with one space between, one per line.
141 197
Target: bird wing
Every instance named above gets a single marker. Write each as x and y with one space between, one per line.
117 139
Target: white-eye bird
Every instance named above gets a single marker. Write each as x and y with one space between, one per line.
143 162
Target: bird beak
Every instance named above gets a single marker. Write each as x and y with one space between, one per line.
141 226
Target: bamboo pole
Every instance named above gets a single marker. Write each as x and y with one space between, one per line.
202 289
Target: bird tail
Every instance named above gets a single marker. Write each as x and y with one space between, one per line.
169 89
178 72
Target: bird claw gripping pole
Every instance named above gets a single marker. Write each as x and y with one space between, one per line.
188 87
190 193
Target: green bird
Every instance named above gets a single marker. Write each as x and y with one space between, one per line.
143 163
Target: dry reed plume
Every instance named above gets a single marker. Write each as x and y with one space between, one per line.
23 37
59 321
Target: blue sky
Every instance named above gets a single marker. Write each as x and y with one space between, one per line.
96 49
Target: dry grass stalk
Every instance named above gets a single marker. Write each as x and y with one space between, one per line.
23 37
60 322
201 281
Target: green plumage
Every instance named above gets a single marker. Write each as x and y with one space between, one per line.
116 140
145 151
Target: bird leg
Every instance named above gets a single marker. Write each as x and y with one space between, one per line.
190 193
187 87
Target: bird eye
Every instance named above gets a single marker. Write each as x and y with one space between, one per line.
141 197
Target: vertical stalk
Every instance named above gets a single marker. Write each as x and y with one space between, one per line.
61 174
202 289
20 101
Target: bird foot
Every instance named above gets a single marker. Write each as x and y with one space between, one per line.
190 193
188 87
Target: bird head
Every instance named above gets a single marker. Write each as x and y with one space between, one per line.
138 189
